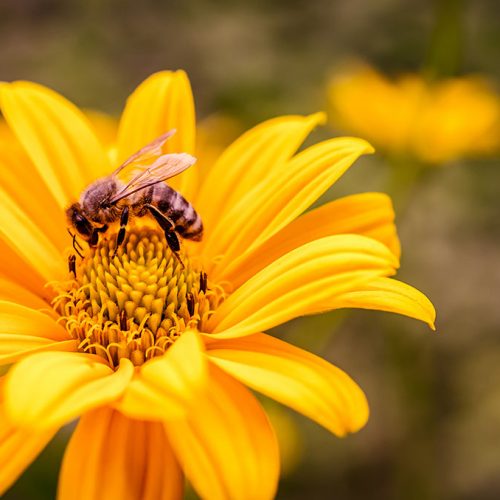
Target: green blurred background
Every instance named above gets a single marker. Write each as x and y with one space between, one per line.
434 431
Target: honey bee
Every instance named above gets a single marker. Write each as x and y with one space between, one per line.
110 199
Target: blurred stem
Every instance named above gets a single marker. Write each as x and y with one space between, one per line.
446 46
404 176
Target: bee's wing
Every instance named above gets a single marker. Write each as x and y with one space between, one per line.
146 154
163 168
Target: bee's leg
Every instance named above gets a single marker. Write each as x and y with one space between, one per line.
76 245
121 233
72 264
94 238
169 229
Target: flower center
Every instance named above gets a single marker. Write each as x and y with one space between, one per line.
134 304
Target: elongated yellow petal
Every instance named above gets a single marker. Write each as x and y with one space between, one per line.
49 389
12 291
164 387
369 214
226 445
288 192
163 102
300 282
25 238
56 136
18 448
294 377
112 456
390 295
15 347
22 320
250 160
13 268
20 181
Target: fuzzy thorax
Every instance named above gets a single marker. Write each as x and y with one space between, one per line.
137 303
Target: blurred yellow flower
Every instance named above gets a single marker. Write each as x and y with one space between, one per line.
434 122
152 355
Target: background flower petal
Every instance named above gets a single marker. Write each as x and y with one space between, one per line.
112 456
49 389
369 214
56 136
294 377
301 282
226 445
286 194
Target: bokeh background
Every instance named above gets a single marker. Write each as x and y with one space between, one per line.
434 431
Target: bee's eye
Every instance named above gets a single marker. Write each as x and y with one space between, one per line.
82 225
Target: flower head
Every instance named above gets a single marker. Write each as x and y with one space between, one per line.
152 350
434 122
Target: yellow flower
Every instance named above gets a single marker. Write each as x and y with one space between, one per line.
154 356
434 122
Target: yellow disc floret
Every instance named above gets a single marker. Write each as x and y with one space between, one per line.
136 303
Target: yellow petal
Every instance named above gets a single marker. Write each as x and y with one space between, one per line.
49 389
390 295
22 320
287 193
300 282
112 456
296 378
18 448
11 291
24 237
14 268
163 102
165 386
250 160
226 445
56 136
369 214
20 180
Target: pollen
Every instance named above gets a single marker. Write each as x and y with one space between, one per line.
134 304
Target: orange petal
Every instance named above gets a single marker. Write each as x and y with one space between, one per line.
162 102
286 194
56 136
251 159
369 214
294 377
49 389
165 386
300 282
226 445
18 448
112 456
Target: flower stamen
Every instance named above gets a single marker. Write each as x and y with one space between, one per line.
136 302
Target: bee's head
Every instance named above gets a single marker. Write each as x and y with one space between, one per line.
77 219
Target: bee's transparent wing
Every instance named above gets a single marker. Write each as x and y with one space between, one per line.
163 168
147 154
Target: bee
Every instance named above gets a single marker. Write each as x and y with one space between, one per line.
111 199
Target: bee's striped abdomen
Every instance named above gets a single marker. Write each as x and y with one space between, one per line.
171 203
